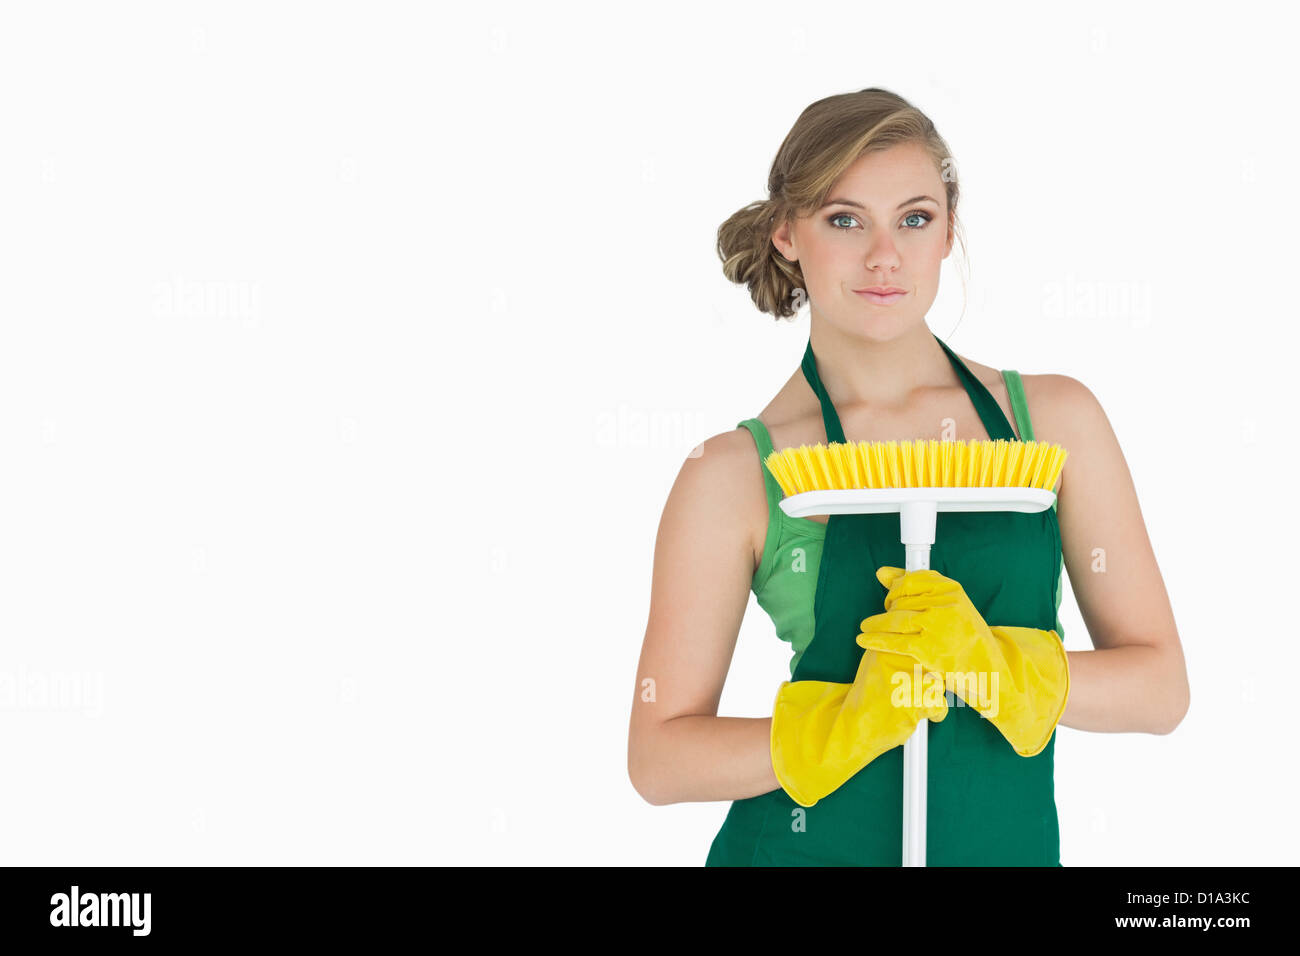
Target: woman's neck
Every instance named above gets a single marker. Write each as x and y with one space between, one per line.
879 374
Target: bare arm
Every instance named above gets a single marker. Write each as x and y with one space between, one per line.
678 748
1136 678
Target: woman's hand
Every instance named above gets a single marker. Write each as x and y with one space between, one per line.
1017 677
823 733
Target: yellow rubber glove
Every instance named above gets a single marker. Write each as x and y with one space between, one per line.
823 732
1026 672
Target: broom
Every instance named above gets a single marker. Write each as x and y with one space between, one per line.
917 479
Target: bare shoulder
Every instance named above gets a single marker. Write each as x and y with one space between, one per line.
716 468
1066 412
720 493
987 374
1062 408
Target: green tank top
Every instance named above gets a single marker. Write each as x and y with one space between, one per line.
986 805
786 580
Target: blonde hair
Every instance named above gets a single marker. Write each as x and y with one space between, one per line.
827 138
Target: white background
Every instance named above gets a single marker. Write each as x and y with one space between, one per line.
348 353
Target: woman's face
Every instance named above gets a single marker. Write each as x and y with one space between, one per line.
875 232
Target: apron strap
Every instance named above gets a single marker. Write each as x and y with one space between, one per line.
990 413
834 431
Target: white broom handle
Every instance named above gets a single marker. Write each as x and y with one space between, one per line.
915 750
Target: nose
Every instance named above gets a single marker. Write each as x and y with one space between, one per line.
882 254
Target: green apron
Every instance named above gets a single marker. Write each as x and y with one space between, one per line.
986 804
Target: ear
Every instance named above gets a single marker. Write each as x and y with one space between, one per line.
784 242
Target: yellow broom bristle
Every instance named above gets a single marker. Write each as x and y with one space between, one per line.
923 463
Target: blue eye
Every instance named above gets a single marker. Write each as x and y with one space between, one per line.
925 216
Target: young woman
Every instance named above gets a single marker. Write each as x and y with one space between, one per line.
862 212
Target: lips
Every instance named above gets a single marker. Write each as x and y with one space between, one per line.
880 298
881 289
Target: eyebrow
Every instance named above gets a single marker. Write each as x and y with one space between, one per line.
856 205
